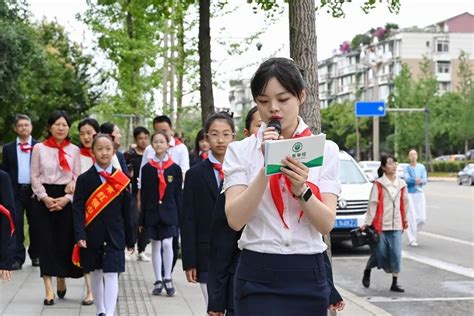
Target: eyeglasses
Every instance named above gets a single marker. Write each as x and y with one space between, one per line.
217 136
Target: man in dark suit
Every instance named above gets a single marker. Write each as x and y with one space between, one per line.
16 162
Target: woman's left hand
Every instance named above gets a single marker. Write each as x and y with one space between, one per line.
339 306
297 172
5 275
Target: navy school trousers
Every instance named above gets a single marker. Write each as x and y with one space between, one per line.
275 284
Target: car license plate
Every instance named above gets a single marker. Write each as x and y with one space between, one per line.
346 223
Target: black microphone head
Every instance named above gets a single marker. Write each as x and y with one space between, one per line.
276 124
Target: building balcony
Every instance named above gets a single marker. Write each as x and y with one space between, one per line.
443 77
442 56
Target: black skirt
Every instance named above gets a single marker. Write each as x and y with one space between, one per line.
56 239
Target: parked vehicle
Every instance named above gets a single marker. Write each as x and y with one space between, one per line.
457 157
353 199
466 175
370 168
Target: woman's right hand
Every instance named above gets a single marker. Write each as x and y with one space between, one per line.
82 243
364 227
269 133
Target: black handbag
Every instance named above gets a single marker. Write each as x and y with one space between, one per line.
367 237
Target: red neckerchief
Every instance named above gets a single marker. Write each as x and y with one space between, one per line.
25 147
275 186
378 218
161 177
204 155
6 212
218 166
87 152
177 142
50 142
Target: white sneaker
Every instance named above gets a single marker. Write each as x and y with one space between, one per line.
128 256
143 257
413 243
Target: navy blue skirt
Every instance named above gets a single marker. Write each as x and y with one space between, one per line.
161 231
106 258
274 284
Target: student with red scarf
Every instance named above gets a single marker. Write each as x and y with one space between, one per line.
55 165
201 149
282 267
161 205
7 226
387 214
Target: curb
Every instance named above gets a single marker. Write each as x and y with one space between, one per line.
439 179
362 303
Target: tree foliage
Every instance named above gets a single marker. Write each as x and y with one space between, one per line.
41 70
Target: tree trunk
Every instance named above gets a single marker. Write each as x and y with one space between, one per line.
303 48
172 74
180 65
302 16
165 79
135 69
204 46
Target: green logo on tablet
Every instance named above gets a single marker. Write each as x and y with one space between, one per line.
297 147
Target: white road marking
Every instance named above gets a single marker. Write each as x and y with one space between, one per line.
382 299
459 241
351 258
451 267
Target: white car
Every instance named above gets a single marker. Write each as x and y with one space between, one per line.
370 168
353 199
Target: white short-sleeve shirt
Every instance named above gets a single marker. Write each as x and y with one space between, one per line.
265 231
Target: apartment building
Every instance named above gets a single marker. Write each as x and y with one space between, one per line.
368 72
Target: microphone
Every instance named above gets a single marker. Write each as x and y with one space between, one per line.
276 124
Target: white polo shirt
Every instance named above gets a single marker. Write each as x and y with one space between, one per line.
265 233
179 154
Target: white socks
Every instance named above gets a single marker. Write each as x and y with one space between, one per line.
105 290
157 259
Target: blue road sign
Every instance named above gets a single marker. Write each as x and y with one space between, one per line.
370 108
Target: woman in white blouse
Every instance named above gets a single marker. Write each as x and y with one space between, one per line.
281 270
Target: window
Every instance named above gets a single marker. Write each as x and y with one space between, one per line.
443 67
442 46
444 86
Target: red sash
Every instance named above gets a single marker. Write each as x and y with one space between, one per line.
102 196
275 186
204 156
6 212
50 142
161 177
378 218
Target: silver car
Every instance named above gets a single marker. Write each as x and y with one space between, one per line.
466 175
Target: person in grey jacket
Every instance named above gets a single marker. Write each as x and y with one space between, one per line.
387 214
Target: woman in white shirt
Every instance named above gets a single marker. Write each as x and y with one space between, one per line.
281 268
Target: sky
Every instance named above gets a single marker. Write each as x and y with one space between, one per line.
243 22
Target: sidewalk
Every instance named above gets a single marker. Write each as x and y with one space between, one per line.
24 296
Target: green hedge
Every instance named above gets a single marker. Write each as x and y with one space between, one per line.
449 166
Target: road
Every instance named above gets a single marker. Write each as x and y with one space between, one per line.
438 276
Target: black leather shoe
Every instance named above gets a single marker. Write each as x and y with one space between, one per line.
366 278
101 314
48 302
35 262
61 294
396 288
